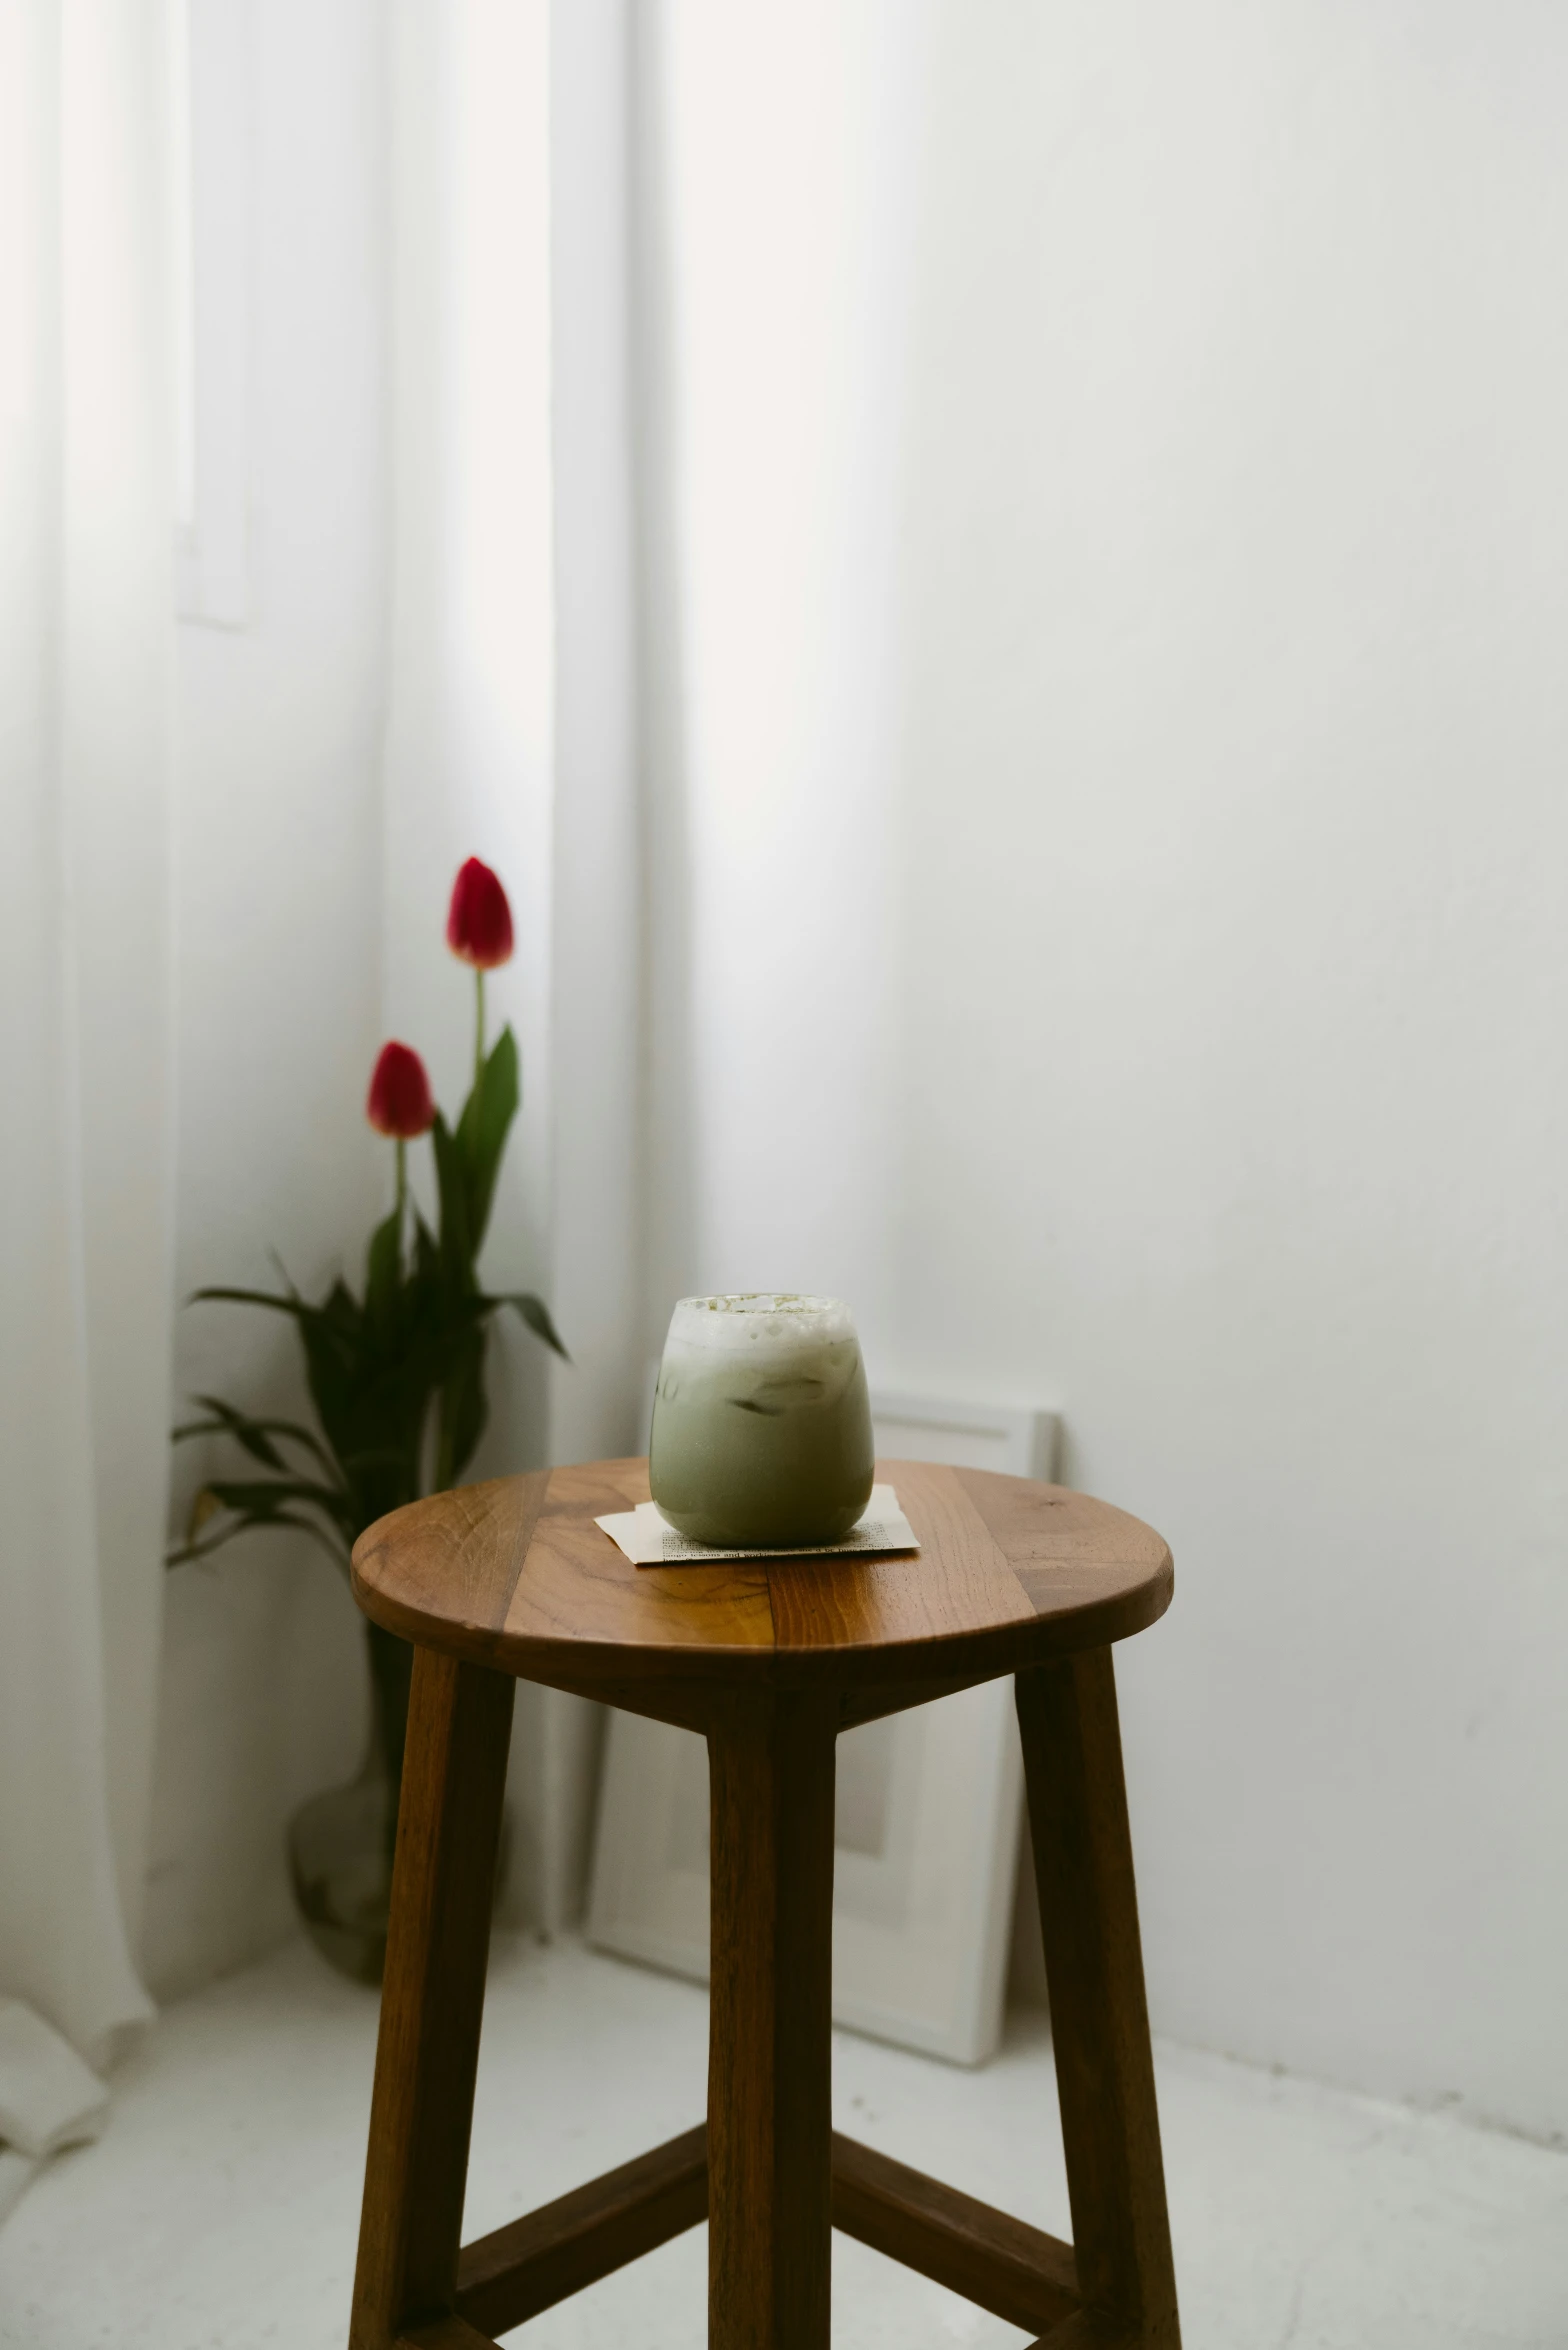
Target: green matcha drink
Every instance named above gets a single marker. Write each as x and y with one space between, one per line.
761 1422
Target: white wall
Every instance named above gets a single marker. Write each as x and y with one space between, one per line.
775 180
596 1170
279 961
1208 668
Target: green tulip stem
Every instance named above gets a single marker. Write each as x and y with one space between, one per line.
479 1032
402 1190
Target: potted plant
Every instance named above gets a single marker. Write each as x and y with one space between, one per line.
395 1376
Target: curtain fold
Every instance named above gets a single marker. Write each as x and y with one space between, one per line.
477 761
85 647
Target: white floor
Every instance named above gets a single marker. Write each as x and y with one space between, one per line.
219 2210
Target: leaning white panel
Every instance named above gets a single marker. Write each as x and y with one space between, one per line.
927 1815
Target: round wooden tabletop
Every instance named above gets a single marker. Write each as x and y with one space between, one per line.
517 1575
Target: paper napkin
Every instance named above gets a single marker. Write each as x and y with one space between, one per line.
649 1540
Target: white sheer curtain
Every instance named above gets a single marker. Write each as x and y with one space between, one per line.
510 717
509 733
85 637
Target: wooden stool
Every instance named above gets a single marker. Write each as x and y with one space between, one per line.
769 1659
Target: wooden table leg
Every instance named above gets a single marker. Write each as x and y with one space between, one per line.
769 2053
1099 2017
449 1821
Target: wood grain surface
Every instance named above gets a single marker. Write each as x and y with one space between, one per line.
1099 2019
539 2260
517 1575
770 2089
449 1823
998 2262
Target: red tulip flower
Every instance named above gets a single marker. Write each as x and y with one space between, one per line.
399 1103
479 923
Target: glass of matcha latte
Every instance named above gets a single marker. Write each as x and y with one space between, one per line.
761 1422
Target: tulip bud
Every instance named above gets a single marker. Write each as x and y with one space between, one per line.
399 1103
479 924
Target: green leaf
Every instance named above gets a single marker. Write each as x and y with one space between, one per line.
188 1551
427 1251
463 1408
452 1189
482 1130
254 1297
384 1263
375 1457
536 1314
259 1498
388 1371
251 1432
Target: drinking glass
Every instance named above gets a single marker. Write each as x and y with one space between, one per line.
762 1422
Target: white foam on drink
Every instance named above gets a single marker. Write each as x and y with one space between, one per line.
758 1323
